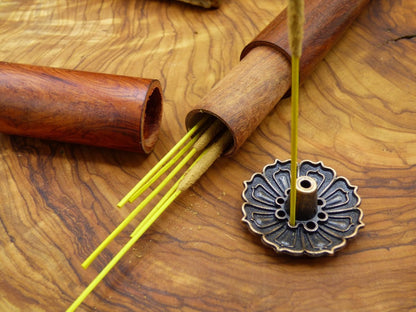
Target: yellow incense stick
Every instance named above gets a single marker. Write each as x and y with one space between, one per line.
160 204
294 136
295 13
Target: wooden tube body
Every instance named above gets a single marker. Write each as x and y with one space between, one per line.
80 107
244 97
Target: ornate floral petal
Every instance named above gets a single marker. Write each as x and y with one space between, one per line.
259 217
344 223
340 195
323 242
259 191
284 239
278 179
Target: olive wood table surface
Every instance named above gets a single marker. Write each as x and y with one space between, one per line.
58 201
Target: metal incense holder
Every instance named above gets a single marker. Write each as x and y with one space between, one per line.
327 212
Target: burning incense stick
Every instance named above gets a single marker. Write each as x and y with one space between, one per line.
295 23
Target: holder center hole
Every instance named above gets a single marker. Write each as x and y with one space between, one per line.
305 184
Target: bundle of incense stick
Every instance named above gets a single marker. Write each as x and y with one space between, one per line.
201 146
232 111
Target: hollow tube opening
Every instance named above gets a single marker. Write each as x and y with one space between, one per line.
151 119
193 117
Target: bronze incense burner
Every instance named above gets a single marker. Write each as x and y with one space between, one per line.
327 209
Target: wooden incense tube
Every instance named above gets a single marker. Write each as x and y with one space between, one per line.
244 97
80 107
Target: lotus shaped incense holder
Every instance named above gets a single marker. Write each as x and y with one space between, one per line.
327 212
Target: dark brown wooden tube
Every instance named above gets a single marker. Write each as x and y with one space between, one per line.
244 97
80 107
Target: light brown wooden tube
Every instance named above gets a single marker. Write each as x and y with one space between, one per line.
246 94
244 97
80 107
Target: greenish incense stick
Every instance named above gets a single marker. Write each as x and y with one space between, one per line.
295 10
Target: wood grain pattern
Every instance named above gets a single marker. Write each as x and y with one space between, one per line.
95 109
58 200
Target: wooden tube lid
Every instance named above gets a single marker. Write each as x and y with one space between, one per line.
72 106
325 23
